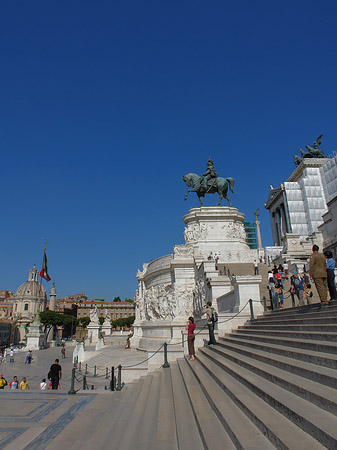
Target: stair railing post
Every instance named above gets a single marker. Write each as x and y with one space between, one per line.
72 385
86 369
106 373
119 378
95 371
166 364
112 379
80 367
252 318
84 382
277 305
264 304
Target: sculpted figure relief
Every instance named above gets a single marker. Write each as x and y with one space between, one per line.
184 301
199 297
209 183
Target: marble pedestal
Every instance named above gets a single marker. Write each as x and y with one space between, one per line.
94 332
106 328
35 336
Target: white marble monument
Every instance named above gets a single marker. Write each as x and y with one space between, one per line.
175 286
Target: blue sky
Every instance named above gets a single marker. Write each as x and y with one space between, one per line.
106 105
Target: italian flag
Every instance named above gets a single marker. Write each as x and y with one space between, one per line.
44 271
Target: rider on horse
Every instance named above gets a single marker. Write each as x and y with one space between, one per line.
210 173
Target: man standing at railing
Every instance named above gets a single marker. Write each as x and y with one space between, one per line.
209 311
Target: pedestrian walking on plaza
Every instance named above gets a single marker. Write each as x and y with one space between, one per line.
55 374
330 271
3 381
209 311
256 267
63 352
190 327
297 287
14 384
24 383
11 356
29 357
318 273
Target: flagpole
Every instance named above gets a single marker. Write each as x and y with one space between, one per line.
44 252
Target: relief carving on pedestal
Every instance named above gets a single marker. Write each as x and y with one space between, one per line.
182 251
164 301
199 297
233 230
194 231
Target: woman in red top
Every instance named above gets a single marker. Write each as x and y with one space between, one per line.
190 327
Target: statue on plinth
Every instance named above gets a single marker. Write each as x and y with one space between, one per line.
94 316
209 183
313 151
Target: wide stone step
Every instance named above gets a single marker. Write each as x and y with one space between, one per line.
314 307
212 432
166 438
135 418
310 356
311 419
186 427
312 386
146 433
282 432
323 313
315 345
296 320
243 433
294 327
311 335
103 423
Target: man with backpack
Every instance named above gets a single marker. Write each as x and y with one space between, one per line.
297 287
212 317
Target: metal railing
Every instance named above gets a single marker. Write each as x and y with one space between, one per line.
115 382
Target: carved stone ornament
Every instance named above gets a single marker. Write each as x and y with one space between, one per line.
182 251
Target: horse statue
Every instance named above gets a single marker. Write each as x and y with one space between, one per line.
217 184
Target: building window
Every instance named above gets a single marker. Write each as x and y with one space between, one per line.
26 307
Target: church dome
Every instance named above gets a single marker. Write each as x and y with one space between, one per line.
30 290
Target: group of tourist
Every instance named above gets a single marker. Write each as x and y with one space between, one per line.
322 273
54 376
215 257
14 384
7 355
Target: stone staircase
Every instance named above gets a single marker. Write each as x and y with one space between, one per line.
272 384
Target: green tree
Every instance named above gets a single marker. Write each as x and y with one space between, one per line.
84 321
123 322
129 300
117 299
101 320
51 319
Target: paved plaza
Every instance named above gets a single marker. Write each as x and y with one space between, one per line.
39 420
